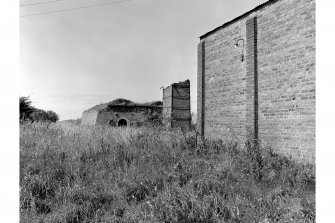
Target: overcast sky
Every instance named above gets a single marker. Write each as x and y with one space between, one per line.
73 60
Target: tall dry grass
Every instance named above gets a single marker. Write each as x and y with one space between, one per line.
95 174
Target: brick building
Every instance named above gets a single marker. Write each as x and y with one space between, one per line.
256 78
121 112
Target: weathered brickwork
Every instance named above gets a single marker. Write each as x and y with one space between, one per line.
222 85
120 115
200 93
252 77
133 115
177 106
89 118
273 90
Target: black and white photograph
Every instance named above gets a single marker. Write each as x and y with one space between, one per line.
187 111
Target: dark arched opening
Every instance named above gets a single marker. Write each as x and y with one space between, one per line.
122 122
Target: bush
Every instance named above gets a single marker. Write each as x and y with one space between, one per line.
28 112
44 116
153 120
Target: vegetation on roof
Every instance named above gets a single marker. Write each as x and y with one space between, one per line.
123 102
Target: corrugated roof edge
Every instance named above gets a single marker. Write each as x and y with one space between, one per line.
259 7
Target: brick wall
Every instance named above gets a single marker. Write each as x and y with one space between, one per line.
167 106
89 118
110 116
200 90
177 106
222 84
105 118
273 90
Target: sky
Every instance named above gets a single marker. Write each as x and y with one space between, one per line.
73 60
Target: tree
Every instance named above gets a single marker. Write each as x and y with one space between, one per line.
28 112
39 115
25 108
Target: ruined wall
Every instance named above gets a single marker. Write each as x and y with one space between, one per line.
134 116
176 105
89 118
272 92
107 118
167 106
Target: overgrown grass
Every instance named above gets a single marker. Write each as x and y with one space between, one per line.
96 174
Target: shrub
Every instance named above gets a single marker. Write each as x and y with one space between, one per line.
28 112
40 115
153 120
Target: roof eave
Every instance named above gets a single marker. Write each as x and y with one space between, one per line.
257 8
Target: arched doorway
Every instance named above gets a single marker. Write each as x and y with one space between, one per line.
122 122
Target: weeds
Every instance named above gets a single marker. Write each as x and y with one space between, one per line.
96 174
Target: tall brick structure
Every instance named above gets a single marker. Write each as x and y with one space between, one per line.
177 106
256 78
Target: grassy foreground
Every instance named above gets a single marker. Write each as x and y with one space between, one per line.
93 174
